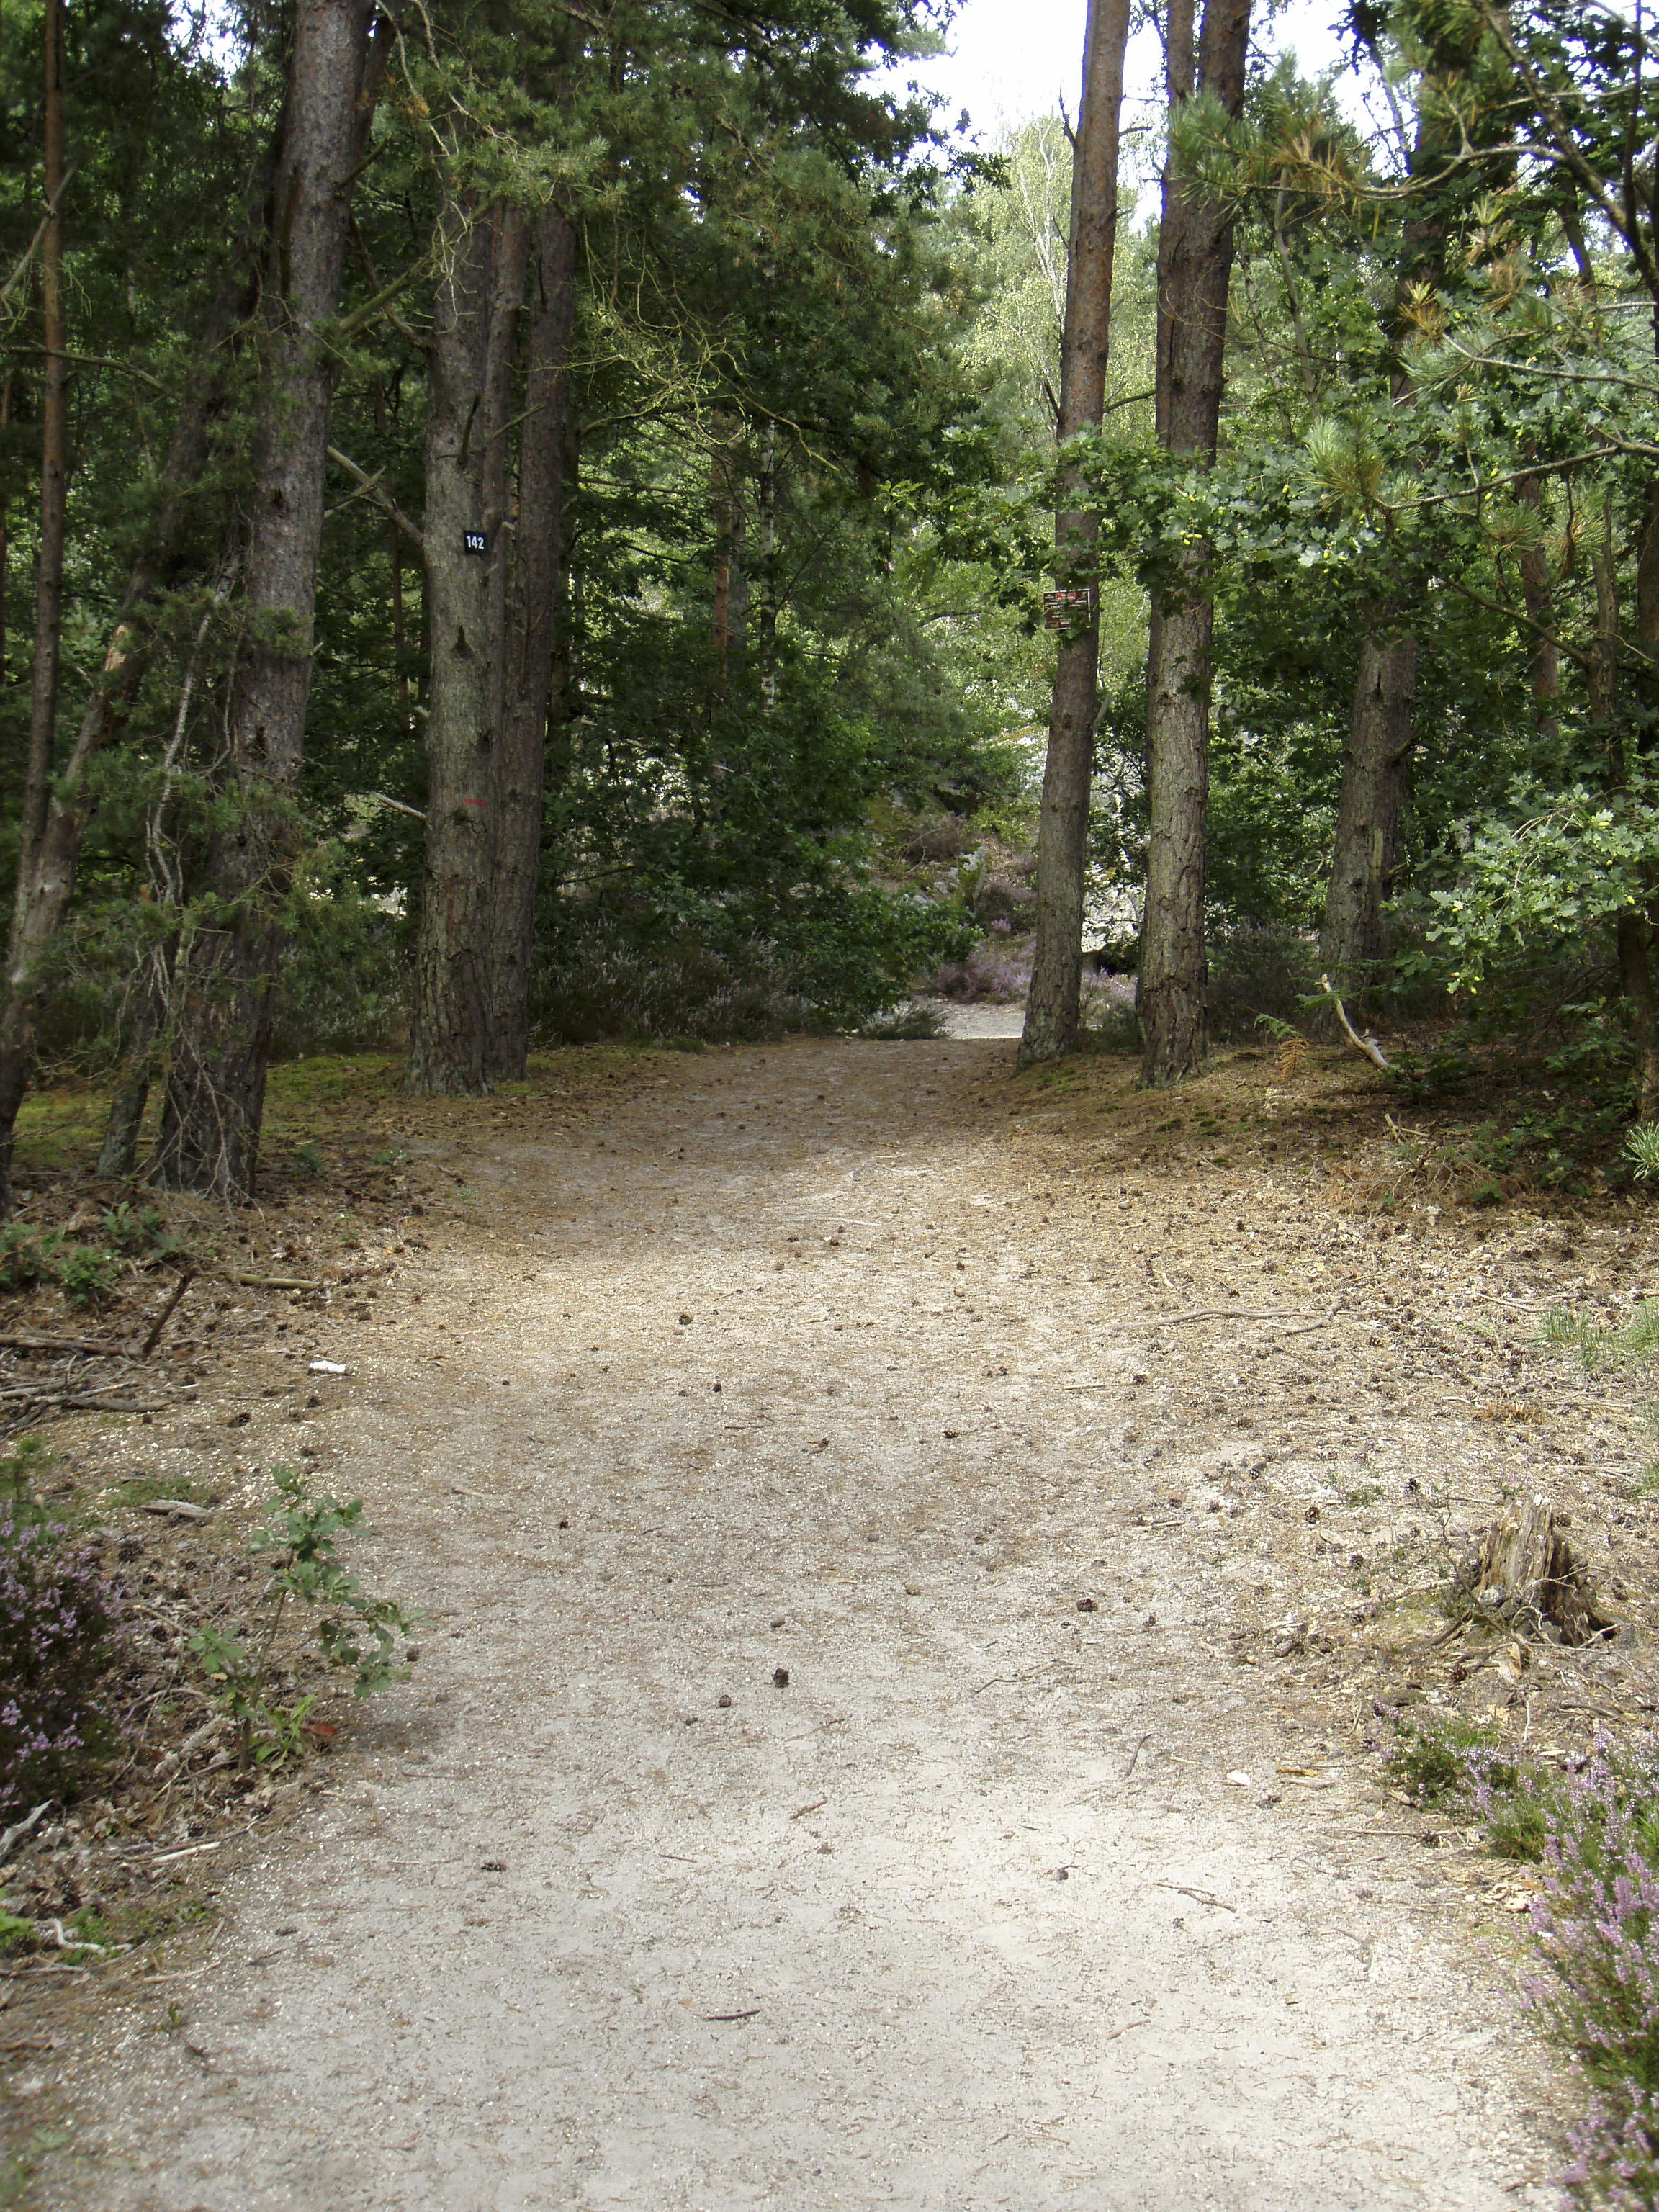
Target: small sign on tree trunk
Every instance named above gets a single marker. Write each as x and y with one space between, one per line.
1066 610
474 542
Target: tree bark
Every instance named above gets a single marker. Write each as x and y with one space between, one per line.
1051 1007
1195 264
118 1156
126 658
215 1090
479 295
1355 933
768 623
54 484
528 659
5 532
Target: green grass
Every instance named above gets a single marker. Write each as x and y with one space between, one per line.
1599 1343
1447 1762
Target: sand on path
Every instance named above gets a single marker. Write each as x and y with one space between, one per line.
997 1902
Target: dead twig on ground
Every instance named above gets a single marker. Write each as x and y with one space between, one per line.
85 1345
166 1312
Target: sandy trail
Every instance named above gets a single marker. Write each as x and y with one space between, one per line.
996 1903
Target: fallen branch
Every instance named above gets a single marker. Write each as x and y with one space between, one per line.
24 1828
1368 1045
80 1344
78 1402
165 1313
270 1282
1236 1313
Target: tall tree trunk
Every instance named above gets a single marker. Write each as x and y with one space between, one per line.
1634 930
1377 759
1051 1008
521 756
1537 597
479 296
158 569
6 531
54 485
217 1087
564 679
767 623
731 607
118 1154
1355 934
1195 263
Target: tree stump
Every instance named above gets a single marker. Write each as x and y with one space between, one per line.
1525 1573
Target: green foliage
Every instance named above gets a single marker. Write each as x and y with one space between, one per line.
29 1257
355 1632
1602 1343
1429 1759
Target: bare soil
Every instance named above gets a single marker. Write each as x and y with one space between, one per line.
1089 1462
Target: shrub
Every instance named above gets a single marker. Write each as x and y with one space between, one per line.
606 988
30 1256
25 1258
355 1632
60 1634
1595 1925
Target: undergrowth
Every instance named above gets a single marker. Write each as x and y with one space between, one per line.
84 1272
60 1636
1593 1832
1607 1344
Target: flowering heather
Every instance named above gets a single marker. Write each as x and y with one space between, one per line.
59 1633
1595 1924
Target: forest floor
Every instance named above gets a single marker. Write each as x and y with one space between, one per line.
1088 1458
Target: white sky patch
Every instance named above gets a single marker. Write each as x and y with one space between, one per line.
1011 59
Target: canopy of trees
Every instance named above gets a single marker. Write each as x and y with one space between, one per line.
514 519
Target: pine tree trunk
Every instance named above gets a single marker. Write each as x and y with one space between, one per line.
1634 928
1537 597
1051 1008
1195 264
479 295
118 1156
521 758
54 484
215 1090
1355 935
564 679
126 658
5 530
766 625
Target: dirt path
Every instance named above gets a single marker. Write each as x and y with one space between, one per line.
796 1361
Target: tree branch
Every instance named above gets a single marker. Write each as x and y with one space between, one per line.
370 486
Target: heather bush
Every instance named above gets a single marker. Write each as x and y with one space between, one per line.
1595 1925
60 1634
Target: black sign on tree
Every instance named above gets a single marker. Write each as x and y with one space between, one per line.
476 543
